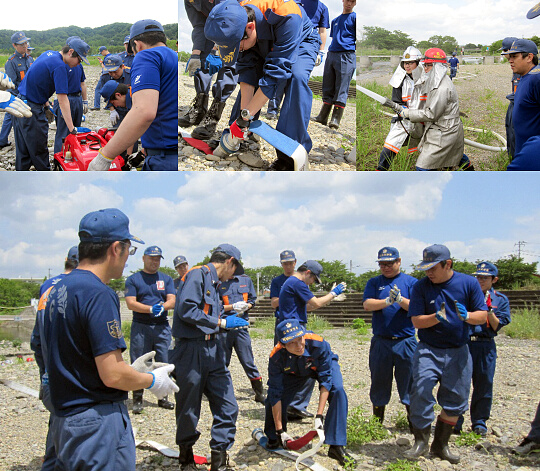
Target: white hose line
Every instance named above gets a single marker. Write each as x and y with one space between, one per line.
312 451
497 135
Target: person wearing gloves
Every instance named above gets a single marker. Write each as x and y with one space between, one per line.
269 43
150 294
154 113
483 348
48 74
238 297
88 379
441 144
403 81
295 298
340 66
394 342
10 103
442 307
78 102
16 67
301 356
200 359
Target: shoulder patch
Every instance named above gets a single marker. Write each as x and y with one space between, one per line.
313 336
114 329
535 71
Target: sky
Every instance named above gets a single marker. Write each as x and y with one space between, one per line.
43 15
333 216
469 21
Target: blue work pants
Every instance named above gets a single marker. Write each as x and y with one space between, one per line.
240 340
31 140
148 337
339 68
76 107
6 128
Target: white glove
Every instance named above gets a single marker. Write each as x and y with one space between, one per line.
403 113
146 363
395 295
85 106
163 385
11 104
5 82
240 307
114 117
389 301
320 56
100 162
285 437
193 64
339 297
318 424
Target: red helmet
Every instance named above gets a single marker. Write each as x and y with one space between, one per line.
434 55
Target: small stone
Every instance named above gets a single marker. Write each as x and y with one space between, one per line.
212 157
188 150
351 157
252 448
496 431
402 441
251 159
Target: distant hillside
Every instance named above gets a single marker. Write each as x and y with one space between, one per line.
111 36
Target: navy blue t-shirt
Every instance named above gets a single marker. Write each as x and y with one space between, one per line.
149 289
317 12
293 299
453 61
427 298
81 322
157 69
393 320
526 113
75 77
48 74
275 288
343 33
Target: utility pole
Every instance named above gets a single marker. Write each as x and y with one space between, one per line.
519 244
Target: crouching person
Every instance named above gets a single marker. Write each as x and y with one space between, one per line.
299 356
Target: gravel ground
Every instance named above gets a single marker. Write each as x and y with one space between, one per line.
94 120
331 149
24 420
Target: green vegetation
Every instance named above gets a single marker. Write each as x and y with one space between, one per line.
317 324
360 326
126 331
401 422
16 343
15 293
363 428
525 324
266 325
403 465
468 439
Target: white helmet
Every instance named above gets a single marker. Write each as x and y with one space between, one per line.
411 54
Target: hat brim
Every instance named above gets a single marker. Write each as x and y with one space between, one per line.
229 54
135 239
111 69
294 335
288 260
180 263
534 12
427 265
387 259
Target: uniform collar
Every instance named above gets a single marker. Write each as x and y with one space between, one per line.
20 56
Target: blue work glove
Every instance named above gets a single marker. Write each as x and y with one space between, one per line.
441 314
403 113
320 57
213 63
5 82
193 64
339 289
462 311
11 104
233 322
77 130
395 295
157 309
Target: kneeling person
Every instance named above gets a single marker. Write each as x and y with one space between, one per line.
299 356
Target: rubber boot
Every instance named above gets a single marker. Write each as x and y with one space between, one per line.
219 461
208 125
337 114
186 459
421 439
196 111
338 452
322 117
378 412
408 409
165 404
257 386
439 447
137 401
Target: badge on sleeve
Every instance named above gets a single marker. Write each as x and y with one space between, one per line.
114 329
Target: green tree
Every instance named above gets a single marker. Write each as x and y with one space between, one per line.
15 293
447 43
365 277
169 271
336 271
119 284
514 272
424 45
267 274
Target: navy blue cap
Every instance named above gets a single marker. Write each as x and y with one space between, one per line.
232 251
486 269
387 254
19 37
73 253
107 92
289 329
534 12
80 47
432 255
507 43
523 45
315 268
287 256
153 251
179 260
225 26
144 26
126 39
68 40
105 225
103 48
112 62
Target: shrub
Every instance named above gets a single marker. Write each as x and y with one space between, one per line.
525 324
360 326
317 324
363 428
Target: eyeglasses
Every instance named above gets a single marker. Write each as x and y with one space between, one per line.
386 264
131 250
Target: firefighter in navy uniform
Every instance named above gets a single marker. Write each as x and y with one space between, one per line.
238 297
299 356
16 67
181 266
127 56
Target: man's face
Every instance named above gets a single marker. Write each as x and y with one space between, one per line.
348 5
438 273
151 263
288 267
182 269
119 100
310 278
519 64
251 40
126 46
72 61
390 269
296 346
410 66
121 260
229 267
428 67
486 282
117 73
21 48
